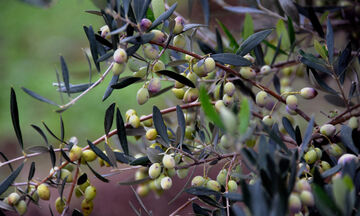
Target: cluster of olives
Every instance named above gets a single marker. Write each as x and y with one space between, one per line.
89 192
301 196
216 185
16 201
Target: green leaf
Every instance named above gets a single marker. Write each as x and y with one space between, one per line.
343 193
232 59
125 81
180 78
282 31
121 132
110 88
164 16
252 41
65 74
233 44
103 179
307 136
322 201
160 125
206 10
10 179
109 117
181 123
330 41
248 28
208 108
15 117
99 153
291 31
244 116
320 49
38 97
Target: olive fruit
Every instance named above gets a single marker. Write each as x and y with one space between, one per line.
168 161
43 191
347 158
89 155
60 205
328 130
318 153
150 51
142 96
75 153
134 121
268 120
120 56
229 88
192 77
90 193
141 72
287 71
224 142
308 93
66 173
219 104
213 185
145 24
151 134
197 181
143 190
190 132
221 177
191 95
284 82
179 25
310 156
87 207
294 203
335 150
228 100
324 166
232 186
117 68
247 72
265 69
261 98
33 193
105 32
249 58
158 66
307 198
21 207
353 123
182 173
292 102
159 36
129 113
154 170
154 85
178 92
13 198
180 41
302 185
209 65
166 183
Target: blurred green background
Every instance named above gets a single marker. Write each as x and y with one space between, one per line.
31 41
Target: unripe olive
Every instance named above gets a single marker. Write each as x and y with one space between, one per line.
232 186
224 142
60 205
154 170
328 130
179 25
150 51
78 192
261 98
89 155
189 132
32 190
191 95
227 100
268 120
219 105
147 123
117 68
154 85
335 150
44 192
287 71
166 183
302 185
142 96
87 207
180 41
192 77
247 72
188 57
307 198
284 81
169 172
134 121
250 58
265 69
13 198
143 190
84 185
120 56
324 165
209 65
154 145
197 181
292 102
353 123
151 134
105 32
21 207
68 166
178 92
179 84
198 69
229 119
221 177
213 185
159 36
75 153
182 173
129 113
318 153
308 93
294 203
347 158
90 193
168 161
141 72
229 88
158 66
310 156
145 24
66 173
140 175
